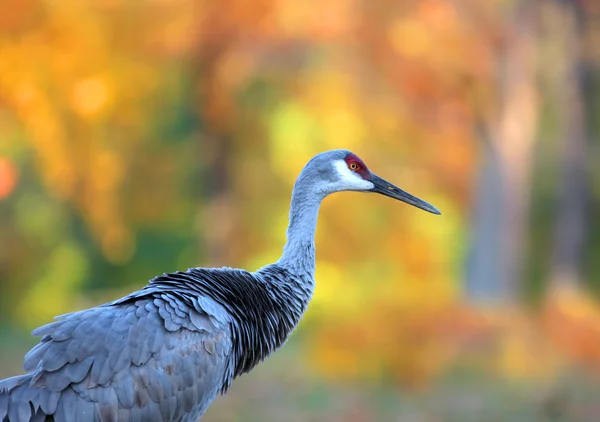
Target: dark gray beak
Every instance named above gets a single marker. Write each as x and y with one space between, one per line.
386 188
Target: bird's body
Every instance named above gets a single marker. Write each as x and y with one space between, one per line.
163 353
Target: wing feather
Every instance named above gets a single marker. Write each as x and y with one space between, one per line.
150 356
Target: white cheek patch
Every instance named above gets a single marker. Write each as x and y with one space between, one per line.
349 179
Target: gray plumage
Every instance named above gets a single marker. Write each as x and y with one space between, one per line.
163 353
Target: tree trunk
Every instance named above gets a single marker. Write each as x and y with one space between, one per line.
501 210
216 111
573 195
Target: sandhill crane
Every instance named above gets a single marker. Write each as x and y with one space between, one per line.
163 353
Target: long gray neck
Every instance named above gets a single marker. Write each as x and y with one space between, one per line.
299 251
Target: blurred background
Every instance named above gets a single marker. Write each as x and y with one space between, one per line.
144 137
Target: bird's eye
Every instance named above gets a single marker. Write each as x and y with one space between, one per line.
353 166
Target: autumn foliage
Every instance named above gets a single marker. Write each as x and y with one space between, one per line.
139 138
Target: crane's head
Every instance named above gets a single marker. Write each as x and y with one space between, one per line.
341 170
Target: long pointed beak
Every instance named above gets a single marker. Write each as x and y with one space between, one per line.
386 188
